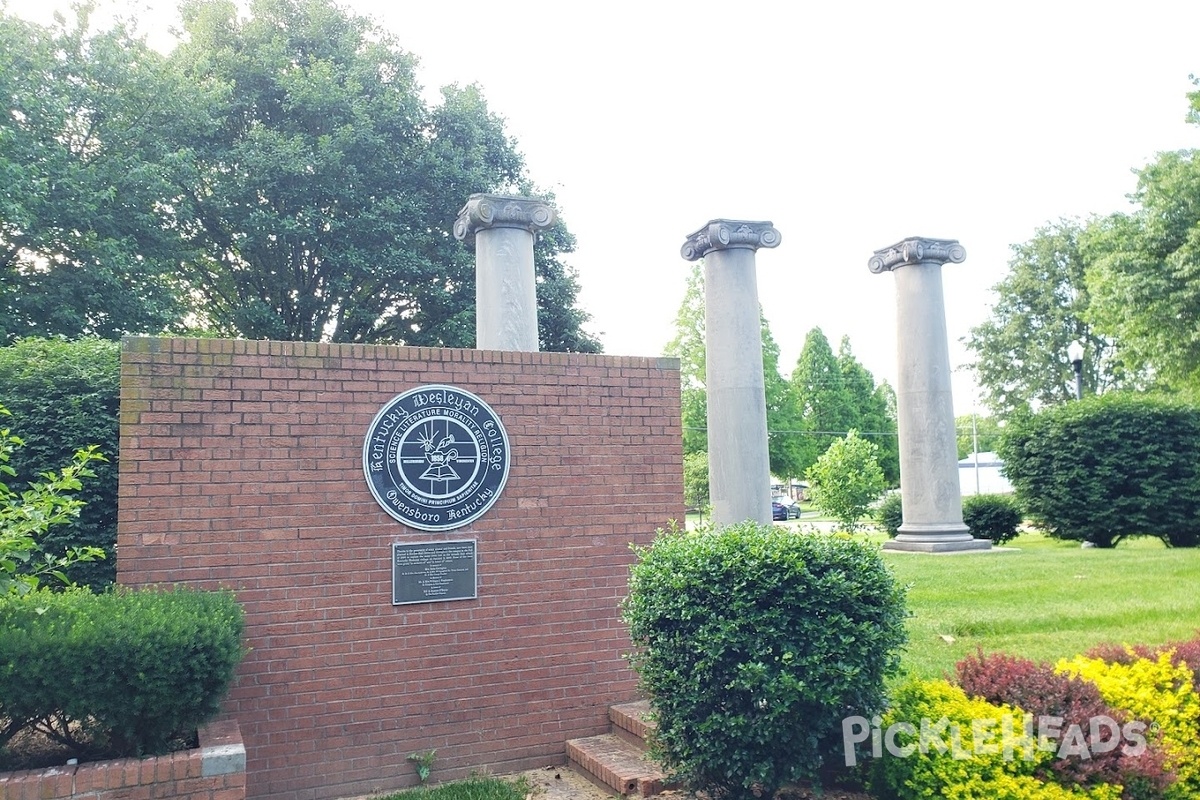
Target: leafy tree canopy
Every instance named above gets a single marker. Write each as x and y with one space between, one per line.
826 408
278 175
1146 272
1042 305
85 154
875 410
688 346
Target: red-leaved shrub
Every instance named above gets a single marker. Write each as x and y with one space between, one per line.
1038 690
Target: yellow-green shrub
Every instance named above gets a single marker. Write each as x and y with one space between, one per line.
999 767
1160 693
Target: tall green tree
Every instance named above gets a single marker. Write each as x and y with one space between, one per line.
688 345
825 408
1146 272
277 176
86 164
1042 305
323 200
874 410
785 448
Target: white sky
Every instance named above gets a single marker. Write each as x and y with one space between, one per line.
849 125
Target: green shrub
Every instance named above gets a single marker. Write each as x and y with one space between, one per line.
992 516
1107 467
1159 691
64 397
753 643
889 515
122 672
847 479
1040 690
27 516
963 748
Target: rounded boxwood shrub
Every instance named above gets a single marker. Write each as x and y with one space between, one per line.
116 674
753 644
889 515
992 516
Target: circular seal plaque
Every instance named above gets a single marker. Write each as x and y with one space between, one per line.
436 457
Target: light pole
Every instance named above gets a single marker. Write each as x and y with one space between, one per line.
1075 354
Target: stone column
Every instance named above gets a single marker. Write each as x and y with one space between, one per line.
739 470
505 288
929 485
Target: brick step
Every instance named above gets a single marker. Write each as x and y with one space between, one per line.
617 764
632 722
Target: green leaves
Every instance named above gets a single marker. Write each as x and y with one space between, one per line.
85 158
127 670
1042 305
26 516
847 479
1109 467
277 176
1145 273
753 642
825 393
65 397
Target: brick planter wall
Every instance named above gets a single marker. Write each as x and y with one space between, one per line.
241 466
216 770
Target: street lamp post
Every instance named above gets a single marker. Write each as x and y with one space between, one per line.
1075 354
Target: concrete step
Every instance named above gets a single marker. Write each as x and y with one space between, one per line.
617 764
632 722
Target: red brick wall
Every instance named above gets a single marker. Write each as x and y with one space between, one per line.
216 770
241 466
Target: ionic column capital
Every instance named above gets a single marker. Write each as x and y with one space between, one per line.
729 234
916 250
484 211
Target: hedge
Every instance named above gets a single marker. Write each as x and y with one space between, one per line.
65 395
121 673
1107 467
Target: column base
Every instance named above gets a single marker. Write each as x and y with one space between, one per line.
936 538
938 547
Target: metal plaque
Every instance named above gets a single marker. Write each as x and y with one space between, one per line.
432 572
436 457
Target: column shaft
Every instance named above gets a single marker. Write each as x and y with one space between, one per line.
929 484
739 472
505 280
506 291
738 463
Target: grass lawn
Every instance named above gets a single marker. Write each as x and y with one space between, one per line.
1047 601
481 788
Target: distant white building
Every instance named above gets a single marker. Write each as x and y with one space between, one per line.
982 473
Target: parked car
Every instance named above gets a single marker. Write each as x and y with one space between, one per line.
784 508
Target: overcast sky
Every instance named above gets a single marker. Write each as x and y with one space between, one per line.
849 125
